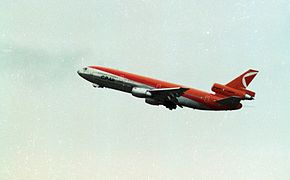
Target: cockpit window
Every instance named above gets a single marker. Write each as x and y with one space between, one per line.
85 68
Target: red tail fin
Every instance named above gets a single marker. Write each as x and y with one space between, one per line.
243 80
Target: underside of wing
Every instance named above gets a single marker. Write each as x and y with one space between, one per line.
230 101
168 96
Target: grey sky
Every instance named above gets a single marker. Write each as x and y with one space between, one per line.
54 125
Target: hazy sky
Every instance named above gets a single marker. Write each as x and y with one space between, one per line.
55 125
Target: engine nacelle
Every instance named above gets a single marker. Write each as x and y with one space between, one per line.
152 101
140 92
227 91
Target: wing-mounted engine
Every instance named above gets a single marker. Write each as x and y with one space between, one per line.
141 92
228 91
168 104
152 101
162 96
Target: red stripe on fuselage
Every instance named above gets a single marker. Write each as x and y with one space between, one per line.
193 94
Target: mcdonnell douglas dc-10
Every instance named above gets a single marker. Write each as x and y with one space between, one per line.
156 92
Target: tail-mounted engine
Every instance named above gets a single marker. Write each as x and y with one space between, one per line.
228 91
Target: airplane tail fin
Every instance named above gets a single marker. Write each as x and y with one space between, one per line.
243 81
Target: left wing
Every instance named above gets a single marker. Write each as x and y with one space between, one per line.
168 96
230 101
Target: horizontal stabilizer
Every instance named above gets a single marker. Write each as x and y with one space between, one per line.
230 101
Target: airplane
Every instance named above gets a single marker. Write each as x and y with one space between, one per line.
157 92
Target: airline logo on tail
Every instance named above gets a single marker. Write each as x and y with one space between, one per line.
248 78
243 81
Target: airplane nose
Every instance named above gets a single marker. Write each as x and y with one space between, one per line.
80 73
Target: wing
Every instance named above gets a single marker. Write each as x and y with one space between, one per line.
229 101
168 96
